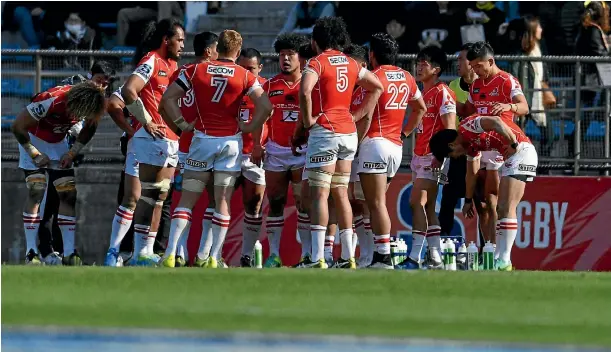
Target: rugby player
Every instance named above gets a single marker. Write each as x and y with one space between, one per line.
427 171
253 178
204 46
218 88
41 130
325 95
493 133
155 145
493 93
360 211
281 166
381 150
49 234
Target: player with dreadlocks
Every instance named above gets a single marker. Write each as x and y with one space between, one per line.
41 130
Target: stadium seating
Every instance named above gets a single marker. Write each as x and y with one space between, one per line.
6 122
124 60
532 130
596 130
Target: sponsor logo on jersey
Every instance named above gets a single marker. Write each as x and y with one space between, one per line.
162 73
338 60
273 93
527 168
221 70
196 163
495 92
290 116
498 159
321 159
373 166
144 70
395 76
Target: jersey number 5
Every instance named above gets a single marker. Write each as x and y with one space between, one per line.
393 103
220 84
342 79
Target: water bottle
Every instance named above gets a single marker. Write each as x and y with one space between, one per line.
394 252
488 256
445 251
461 259
258 256
451 255
472 257
403 249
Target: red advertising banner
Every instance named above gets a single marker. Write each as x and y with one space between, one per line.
562 224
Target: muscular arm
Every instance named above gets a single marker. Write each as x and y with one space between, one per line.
418 108
263 108
89 128
521 105
130 92
308 81
471 178
362 126
449 121
374 89
115 110
21 125
495 123
169 109
466 109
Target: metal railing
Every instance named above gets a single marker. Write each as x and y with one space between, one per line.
577 136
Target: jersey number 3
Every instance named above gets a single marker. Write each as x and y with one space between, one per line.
220 84
398 92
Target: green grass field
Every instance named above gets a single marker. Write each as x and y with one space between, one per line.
548 307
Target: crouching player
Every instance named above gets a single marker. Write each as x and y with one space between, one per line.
41 130
491 133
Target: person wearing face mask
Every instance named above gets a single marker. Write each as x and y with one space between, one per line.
74 35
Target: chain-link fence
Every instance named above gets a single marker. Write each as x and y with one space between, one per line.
575 135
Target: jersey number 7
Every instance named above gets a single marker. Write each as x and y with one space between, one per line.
220 84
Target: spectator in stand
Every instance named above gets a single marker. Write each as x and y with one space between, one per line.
537 77
25 17
591 41
438 23
302 17
145 12
490 16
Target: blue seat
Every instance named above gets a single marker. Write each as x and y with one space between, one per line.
7 121
47 83
9 46
108 25
532 130
27 58
125 60
23 87
596 130
569 127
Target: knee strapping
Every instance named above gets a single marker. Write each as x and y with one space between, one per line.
36 182
224 178
163 186
319 178
65 184
340 180
193 185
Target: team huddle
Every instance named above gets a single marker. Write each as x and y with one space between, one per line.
326 126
